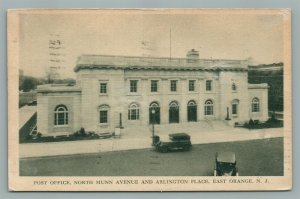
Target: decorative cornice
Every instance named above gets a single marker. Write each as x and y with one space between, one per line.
159 68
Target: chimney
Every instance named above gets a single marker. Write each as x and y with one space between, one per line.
192 56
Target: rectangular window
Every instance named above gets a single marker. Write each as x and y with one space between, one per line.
154 85
208 85
191 85
133 114
173 85
103 88
234 109
133 86
60 119
255 107
209 110
103 117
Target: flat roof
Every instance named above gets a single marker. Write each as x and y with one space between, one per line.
57 88
157 63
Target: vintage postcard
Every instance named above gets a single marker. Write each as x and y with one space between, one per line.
149 99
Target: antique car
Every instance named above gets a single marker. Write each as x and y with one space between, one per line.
175 141
225 164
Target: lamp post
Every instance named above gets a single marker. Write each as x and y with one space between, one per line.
227 117
153 112
120 121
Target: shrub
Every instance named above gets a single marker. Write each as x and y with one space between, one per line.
251 123
82 132
91 134
236 124
39 135
76 134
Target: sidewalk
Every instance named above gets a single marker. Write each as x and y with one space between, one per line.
126 143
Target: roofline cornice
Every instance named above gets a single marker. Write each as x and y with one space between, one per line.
162 68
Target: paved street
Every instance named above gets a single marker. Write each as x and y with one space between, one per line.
262 157
141 139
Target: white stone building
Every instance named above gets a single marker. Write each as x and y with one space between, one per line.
179 90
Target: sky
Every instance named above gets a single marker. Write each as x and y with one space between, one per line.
229 35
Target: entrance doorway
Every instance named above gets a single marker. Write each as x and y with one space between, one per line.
154 113
192 111
173 112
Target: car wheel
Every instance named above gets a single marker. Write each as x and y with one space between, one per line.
164 149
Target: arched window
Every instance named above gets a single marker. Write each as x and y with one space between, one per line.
61 115
234 107
174 104
209 107
233 87
154 113
192 111
192 103
255 105
103 114
173 112
133 112
154 105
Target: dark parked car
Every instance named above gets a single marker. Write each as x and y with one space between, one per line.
176 141
225 164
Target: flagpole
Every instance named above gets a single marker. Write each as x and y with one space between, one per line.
170 44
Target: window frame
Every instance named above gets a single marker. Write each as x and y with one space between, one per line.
106 90
194 85
134 110
173 87
208 85
192 103
236 104
57 114
103 108
209 108
233 87
174 104
255 105
101 117
152 90
132 88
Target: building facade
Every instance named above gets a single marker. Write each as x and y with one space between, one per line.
140 91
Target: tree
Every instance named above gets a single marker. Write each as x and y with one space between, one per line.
28 83
51 75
